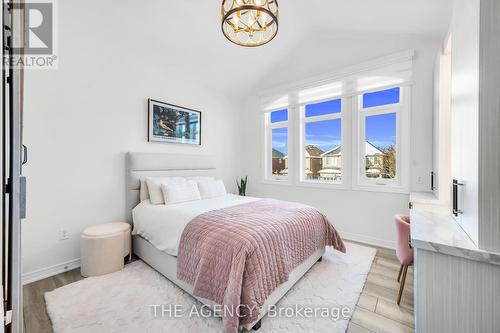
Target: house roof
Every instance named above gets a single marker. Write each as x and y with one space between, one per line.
332 152
313 151
277 154
370 150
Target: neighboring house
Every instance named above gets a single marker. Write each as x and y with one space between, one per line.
328 165
313 162
280 162
374 160
332 164
284 172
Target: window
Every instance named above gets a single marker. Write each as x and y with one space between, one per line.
322 142
383 97
277 145
279 116
380 146
378 140
280 151
345 130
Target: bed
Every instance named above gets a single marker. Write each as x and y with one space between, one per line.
157 245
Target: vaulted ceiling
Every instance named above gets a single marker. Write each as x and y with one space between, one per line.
184 37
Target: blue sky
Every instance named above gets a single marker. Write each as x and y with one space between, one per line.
380 130
325 135
280 140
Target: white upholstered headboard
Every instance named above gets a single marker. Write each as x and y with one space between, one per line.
140 165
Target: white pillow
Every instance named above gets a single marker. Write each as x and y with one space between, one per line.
180 192
154 187
143 193
211 188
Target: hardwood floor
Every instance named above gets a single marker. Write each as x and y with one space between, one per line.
36 319
376 311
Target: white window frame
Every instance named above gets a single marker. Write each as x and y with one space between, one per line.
302 181
400 66
400 184
268 144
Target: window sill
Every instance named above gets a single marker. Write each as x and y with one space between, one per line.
283 182
381 188
312 184
318 184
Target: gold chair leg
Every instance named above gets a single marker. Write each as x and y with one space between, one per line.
402 284
400 271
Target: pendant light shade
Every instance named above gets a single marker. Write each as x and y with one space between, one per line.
250 22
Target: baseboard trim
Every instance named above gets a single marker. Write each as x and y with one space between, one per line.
46 272
369 240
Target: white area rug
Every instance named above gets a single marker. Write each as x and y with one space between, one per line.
122 301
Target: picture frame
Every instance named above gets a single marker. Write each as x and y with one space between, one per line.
167 123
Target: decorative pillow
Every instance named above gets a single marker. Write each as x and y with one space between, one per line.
154 187
143 193
211 188
180 192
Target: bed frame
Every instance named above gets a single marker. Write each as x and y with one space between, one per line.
140 165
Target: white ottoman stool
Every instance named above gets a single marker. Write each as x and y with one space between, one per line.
103 248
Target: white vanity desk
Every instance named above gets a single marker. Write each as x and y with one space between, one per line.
453 277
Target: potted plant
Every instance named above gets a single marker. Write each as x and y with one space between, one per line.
242 186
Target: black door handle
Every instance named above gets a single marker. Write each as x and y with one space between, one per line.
25 155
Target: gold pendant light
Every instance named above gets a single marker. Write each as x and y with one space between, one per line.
250 22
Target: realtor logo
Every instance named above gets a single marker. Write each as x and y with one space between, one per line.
39 28
39 48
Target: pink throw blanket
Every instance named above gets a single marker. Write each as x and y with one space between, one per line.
239 255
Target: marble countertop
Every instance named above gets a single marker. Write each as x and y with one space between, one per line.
424 198
434 229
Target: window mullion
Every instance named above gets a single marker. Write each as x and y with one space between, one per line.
279 125
380 111
323 117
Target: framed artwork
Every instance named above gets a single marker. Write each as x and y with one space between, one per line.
172 123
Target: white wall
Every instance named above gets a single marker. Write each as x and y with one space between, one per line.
366 216
81 119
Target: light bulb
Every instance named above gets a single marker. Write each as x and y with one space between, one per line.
235 19
264 19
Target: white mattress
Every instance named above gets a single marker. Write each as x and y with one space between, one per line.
162 225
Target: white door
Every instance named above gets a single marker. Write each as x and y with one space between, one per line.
441 178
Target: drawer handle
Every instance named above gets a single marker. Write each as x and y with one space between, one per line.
456 209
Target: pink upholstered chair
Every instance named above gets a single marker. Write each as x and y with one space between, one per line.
404 251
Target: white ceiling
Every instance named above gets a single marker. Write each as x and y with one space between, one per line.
184 37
